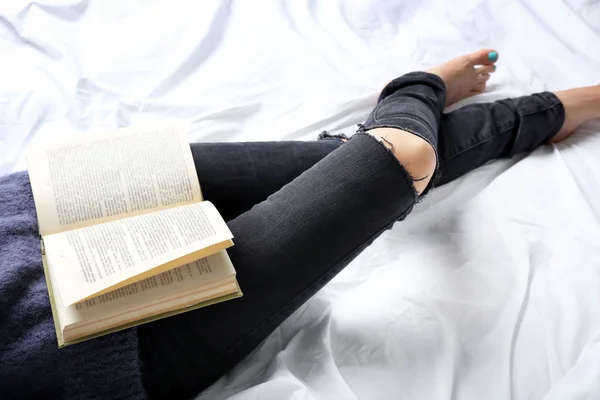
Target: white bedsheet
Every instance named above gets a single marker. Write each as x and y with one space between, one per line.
489 290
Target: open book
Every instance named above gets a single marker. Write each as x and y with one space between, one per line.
126 235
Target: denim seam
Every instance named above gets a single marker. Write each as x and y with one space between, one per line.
349 256
558 102
477 144
495 136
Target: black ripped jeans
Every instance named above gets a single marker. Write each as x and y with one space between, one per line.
301 211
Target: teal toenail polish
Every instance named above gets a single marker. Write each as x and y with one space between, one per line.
493 56
494 66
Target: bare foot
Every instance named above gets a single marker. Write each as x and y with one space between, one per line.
466 76
581 105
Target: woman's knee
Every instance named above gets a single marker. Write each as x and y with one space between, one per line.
414 153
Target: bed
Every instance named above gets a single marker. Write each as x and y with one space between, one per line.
490 289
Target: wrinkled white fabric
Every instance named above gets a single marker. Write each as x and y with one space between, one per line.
490 289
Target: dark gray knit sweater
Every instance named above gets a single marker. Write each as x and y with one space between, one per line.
31 365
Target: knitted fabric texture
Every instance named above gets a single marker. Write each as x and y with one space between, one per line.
31 365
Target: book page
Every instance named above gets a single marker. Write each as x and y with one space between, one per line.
214 294
88 179
176 282
99 258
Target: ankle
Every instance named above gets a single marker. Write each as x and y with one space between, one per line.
580 105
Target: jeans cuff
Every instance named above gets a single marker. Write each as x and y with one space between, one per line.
557 111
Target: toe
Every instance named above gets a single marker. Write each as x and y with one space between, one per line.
483 78
480 87
486 69
483 57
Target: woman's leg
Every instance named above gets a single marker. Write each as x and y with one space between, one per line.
475 134
236 176
291 244
286 248
478 133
